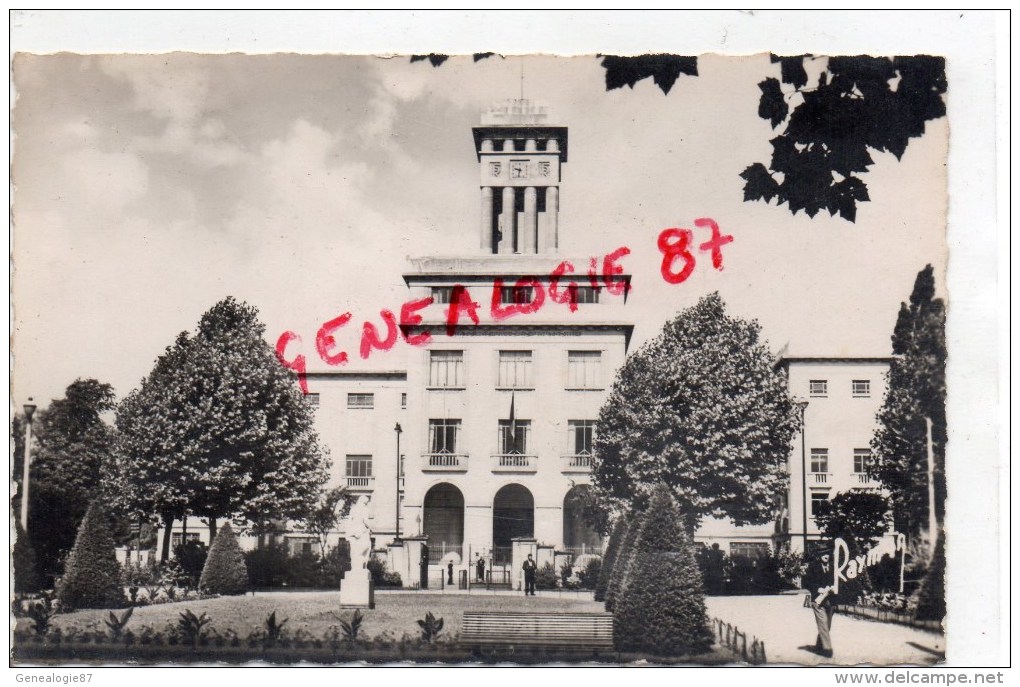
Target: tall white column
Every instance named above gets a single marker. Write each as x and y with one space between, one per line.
508 221
551 240
529 230
486 228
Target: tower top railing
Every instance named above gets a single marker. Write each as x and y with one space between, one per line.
515 112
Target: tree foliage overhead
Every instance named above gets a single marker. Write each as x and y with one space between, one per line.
701 409
860 104
71 451
663 69
859 518
218 428
916 391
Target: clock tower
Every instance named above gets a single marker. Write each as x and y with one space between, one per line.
519 156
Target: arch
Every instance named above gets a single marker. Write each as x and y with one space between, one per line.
577 533
513 515
443 519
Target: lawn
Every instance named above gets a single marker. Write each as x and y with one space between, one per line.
395 613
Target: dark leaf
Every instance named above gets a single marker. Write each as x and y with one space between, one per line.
479 56
772 105
759 183
664 70
792 69
434 58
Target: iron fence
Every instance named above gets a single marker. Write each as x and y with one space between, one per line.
730 637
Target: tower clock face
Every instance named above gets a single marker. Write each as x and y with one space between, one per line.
518 169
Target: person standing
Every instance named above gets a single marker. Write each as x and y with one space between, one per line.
530 569
480 568
818 581
449 573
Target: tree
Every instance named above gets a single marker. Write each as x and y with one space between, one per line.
661 609
701 409
26 576
220 429
71 450
859 518
611 557
621 568
332 507
92 575
915 396
860 104
224 571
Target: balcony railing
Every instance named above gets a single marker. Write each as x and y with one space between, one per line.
579 462
360 483
445 462
820 477
865 478
514 462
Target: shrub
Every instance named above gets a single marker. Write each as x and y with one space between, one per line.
352 627
334 564
566 572
117 624
591 574
661 608
930 598
545 577
92 575
303 570
26 575
225 571
380 576
612 552
432 626
623 559
191 556
267 567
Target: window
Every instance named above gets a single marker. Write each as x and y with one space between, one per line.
515 370
403 400
312 399
749 549
818 388
582 434
588 294
443 435
364 401
862 460
300 545
861 388
817 497
176 538
518 295
446 369
584 369
514 439
359 466
441 294
819 460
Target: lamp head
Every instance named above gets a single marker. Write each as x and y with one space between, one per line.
29 409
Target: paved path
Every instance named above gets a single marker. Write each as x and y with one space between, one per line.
785 626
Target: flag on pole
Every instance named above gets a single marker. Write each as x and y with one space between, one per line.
512 439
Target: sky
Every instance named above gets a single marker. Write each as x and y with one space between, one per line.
148 187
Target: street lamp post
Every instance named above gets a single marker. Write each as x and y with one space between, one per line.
803 471
29 411
398 430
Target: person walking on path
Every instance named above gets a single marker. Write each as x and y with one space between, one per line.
818 581
529 568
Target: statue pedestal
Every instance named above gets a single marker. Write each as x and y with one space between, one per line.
355 588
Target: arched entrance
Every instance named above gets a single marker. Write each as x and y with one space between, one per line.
578 535
444 521
513 515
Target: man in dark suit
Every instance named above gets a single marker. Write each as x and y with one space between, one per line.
818 582
529 568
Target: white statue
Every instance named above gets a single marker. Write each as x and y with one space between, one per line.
359 534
